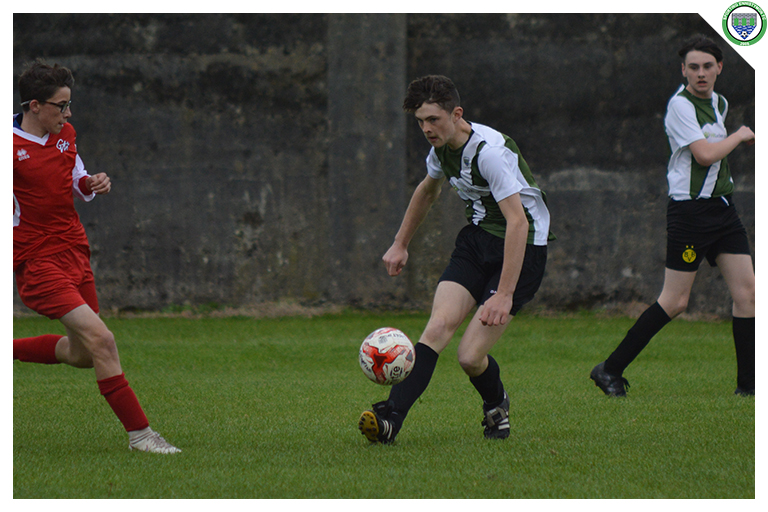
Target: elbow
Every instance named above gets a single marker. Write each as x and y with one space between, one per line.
704 154
430 194
518 228
703 160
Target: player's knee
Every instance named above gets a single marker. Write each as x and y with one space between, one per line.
744 298
678 308
675 306
103 345
472 364
74 354
439 328
82 359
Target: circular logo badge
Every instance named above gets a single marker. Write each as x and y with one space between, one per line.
689 255
744 23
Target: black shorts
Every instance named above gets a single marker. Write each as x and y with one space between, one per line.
476 265
703 228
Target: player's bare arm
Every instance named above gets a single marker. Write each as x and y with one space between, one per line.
708 153
424 196
496 309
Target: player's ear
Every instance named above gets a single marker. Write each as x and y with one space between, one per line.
458 112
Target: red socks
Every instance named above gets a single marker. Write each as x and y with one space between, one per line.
40 349
123 401
119 395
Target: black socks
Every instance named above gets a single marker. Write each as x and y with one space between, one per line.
655 318
402 396
489 385
646 327
744 339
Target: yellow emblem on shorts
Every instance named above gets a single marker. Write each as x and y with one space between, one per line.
689 255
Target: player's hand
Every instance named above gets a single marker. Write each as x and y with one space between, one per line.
99 183
496 310
395 259
747 135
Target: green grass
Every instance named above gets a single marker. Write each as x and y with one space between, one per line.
268 408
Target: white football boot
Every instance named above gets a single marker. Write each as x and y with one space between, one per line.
148 440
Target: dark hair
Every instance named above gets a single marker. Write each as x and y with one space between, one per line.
701 43
435 89
40 82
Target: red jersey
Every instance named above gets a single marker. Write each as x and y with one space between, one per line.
47 173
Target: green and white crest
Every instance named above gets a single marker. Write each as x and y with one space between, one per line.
744 23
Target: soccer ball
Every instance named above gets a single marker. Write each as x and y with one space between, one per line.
387 356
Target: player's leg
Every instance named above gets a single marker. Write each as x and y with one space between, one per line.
673 300
478 340
89 343
87 334
740 276
676 291
53 286
37 349
485 375
61 286
450 307
476 343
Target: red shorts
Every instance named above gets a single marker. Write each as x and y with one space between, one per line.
55 285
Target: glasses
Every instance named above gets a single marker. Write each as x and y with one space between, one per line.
61 106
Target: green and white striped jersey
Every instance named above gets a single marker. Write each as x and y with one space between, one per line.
488 169
690 119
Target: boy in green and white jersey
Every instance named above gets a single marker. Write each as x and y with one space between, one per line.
702 222
498 262
504 172
688 119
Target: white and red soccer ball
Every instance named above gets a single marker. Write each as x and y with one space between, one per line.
387 356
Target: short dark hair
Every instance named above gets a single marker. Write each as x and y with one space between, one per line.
701 43
436 89
40 81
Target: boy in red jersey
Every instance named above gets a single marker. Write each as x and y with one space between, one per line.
51 255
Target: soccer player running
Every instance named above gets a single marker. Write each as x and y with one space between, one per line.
702 221
498 262
51 255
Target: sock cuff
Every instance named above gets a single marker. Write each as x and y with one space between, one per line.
111 384
38 349
492 370
656 309
423 350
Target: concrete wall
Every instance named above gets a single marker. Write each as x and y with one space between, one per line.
263 157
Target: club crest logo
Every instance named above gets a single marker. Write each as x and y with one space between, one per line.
689 255
62 145
744 23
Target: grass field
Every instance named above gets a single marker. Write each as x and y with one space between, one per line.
268 408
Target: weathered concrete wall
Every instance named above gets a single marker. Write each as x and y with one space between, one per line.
265 157
366 151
